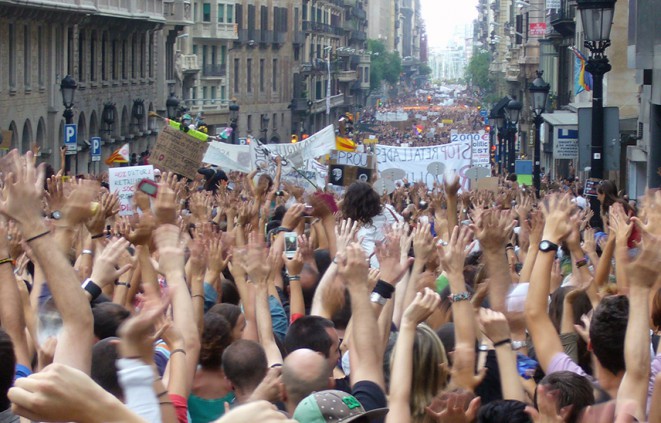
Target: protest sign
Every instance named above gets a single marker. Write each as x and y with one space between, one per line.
480 155
346 167
487 184
177 152
123 181
416 160
228 156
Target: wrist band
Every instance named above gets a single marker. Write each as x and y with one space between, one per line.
90 252
384 289
7 260
376 298
176 351
582 262
98 235
93 289
503 342
37 237
461 296
294 278
126 284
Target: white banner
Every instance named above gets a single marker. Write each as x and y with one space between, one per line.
123 180
228 156
392 116
480 154
455 157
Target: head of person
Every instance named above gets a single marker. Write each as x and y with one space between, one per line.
429 378
317 334
234 316
244 365
104 369
264 183
573 394
361 203
607 194
216 337
304 372
108 317
7 368
608 328
335 406
503 411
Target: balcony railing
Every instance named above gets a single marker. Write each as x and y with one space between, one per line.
214 30
265 36
347 76
207 105
178 12
319 106
562 19
214 70
310 26
189 63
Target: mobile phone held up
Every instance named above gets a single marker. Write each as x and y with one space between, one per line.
290 244
148 186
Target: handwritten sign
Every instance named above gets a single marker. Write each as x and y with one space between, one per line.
177 152
346 167
123 180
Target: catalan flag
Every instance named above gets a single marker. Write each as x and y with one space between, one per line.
582 78
345 144
121 155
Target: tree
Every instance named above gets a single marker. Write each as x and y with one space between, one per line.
385 66
477 72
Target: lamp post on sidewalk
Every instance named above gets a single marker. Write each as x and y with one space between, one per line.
539 89
68 88
512 113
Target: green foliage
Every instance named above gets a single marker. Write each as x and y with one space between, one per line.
425 69
477 72
385 66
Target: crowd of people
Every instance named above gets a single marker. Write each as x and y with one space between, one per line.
241 298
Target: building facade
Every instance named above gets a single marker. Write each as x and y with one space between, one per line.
115 52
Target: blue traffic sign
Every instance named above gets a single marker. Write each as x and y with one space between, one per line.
96 149
71 138
483 113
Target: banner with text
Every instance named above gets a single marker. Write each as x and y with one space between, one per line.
228 156
177 152
123 180
415 161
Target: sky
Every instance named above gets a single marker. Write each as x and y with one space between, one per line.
442 16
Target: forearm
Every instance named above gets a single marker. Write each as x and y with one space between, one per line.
621 258
567 322
499 277
11 314
401 377
328 225
528 263
296 302
452 211
365 337
318 304
604 267
248 301
510 382
411 286
183 319
265 325
462 311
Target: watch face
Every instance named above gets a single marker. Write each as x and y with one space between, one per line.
544 245
56 215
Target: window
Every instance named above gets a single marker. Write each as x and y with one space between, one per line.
193 93
223 54
213 95
114 60
40 56
213 55
204 58
249 123
143 47
274 121
223 92
104 52
204 95
151 55
261 75
124 67
274 75
206 12
195 49
317 95
27 57
249 74
70 45
195 11
236 76
81 56
93 57
134 56
221 13
12 56
230 13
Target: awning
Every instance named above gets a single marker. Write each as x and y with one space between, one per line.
561 118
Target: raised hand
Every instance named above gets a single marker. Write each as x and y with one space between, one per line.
650 216
256 262
105 269
389 256
353 266
453 255
424 304
494 325
170 249
493 229
135 332
345 233
452 187
423 242
452 409
165 207
620 224
23 191
558 211
463 368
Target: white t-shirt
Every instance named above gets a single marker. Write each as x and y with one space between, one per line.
370 234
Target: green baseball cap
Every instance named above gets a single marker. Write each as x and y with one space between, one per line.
333 406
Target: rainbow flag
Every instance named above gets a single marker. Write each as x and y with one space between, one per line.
582 78
121 155
419 129
225 133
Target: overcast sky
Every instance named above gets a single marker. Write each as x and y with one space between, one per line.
442 16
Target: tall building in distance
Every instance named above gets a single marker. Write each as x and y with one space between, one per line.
382 22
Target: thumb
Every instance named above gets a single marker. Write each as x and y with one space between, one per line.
473 407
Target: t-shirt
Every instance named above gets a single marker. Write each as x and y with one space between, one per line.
8 417
371 234
370 396
208 410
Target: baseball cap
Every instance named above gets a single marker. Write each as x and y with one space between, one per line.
333 406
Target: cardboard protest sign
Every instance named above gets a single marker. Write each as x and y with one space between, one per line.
177 152
487 184
5 139
346 167
123 181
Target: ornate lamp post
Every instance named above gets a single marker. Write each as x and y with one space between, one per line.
512 113
234 118
539 89
68 88
172 105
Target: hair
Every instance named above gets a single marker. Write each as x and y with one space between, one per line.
511 177
268 179
230 293
216 336
428 376
503 411
229 311
609 190
299 385
108 317
7 368
104 369
580 306
361 203
607 332
309 332
245 364
656 310
572 390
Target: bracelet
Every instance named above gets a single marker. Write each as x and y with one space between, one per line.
7 260
461 296
294 278
197 296
90 252
376 298
98 235
93 289
176 351
384 289
126 284
582 262
502 342
37 237
162 393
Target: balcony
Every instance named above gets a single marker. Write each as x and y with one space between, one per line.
563 19
212 30
319 106
189 63
311 26
299 38
279 38
178 12
212 106
347 76
300 105
358 36
214 71
264 36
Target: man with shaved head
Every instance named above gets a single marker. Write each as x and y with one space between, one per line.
304 372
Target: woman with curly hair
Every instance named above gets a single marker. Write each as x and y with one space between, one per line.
210 388
363 205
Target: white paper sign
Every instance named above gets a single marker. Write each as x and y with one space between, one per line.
228 156
480 156
123 180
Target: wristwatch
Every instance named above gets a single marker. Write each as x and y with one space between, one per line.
546 246
517 345
56 215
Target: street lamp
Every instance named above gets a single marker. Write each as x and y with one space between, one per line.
539 89
499 123
234 118
68 88
597 18
172 105
512 113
